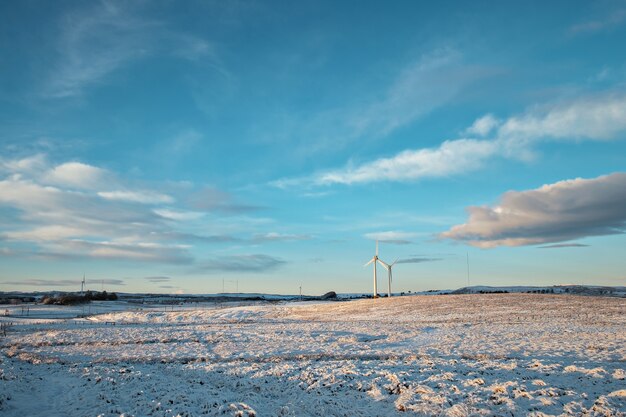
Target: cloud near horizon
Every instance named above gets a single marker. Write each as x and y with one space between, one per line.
564 245
418 260
62 212
64 282
256 263
559 212
158 279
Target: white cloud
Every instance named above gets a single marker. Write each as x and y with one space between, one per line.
278 237
63 222
138 252
563 211
396 237
178 215
69 220
483 126
76 174
144 197
451 157
599 117
45 233
28 165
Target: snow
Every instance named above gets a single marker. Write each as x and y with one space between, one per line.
448 355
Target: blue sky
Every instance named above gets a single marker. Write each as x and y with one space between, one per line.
181 146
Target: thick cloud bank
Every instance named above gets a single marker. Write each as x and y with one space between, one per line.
558 212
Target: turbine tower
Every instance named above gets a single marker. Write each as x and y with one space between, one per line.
390 279
374 260
82 286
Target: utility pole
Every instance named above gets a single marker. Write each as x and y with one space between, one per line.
468 280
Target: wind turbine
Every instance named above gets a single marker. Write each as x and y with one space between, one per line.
388 268
374 260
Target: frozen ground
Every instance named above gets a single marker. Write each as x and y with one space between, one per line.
461 355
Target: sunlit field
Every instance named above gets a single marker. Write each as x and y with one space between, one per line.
453 355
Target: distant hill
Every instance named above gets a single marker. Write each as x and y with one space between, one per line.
590 290
554 289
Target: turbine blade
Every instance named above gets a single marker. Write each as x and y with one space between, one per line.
371 260
383 264
394 262
376 247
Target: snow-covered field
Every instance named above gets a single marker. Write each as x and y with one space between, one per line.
450 355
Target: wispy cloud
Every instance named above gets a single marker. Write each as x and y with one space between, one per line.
452 157
564 245
393 237
279 237
144 197
483 126
44 283
213 199
612 19
93 43
558 212
107 281
98 39
241 263
136 251
419 87
178 214
158 279
422 86
417 260
593 117
29 165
